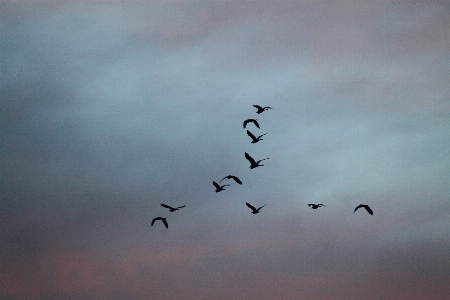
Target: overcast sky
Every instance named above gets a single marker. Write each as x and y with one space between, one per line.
108 109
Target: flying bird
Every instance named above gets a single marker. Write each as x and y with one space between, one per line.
254 210
172 209
162 219
232 177
253 163
254 138
251 120
369 210
261 109
219 187
315 206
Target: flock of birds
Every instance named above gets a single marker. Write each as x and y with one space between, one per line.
253 164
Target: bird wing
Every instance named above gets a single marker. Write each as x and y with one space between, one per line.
261 136
155 219
251 135
245 122
249 158
310 204
181 206
256 123
369 210
320 204
356 208
262 207
166 206
236 179
267 107
257 106
165 223
216 185
250 206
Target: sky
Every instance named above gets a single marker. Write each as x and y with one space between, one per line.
108 109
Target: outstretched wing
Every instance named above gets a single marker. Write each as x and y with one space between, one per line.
250 206
235 179
256 123
262 207
181 206
216 185
246 122
251 135
167 206
261 135
249 158
155 219
356 208
310 204
369 210
165 223
258 107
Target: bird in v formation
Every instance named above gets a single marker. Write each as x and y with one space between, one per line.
172 209
315 206
254 210
261 109
253 163
162 219
254 121
369 210
254 138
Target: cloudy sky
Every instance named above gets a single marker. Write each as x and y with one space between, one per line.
108 109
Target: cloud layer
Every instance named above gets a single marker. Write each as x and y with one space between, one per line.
109 109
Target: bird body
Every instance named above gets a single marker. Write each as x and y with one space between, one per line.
254 210
369 210
232 177
162 219
315 206
219 187
251 120
253 163
261 109
254 138
172 209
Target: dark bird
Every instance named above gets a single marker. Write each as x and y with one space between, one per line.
232 177
219 187
369 210
172 209
162 219
254 210
261 109
251 120
315 206
254 138
253 163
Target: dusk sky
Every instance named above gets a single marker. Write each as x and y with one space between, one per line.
110 108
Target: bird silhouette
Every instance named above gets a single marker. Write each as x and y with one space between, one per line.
172 209
162 219
254 138
369 210
315 206
219 187
261 109
232 177
253 163
251 120
254 210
